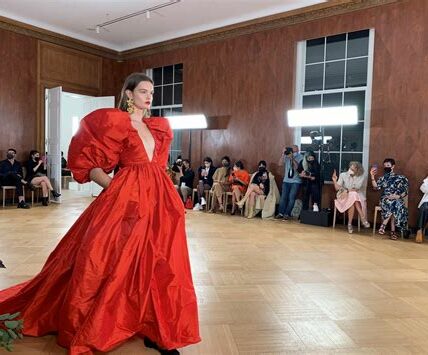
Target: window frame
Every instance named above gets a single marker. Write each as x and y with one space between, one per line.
300 93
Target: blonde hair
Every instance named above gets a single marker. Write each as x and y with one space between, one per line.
359 166
131 82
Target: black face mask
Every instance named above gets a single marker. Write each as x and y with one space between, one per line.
387 170
226 165
262 169
36 158
10 155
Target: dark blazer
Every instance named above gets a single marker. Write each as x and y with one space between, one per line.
207 179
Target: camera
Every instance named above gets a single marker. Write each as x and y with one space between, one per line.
288 151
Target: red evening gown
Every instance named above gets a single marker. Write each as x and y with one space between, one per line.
123 267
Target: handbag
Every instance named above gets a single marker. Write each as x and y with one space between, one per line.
189 203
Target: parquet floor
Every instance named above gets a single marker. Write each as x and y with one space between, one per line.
264 287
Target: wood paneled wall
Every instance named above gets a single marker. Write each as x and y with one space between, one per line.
251 78
18 87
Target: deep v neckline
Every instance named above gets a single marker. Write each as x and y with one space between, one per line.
142 140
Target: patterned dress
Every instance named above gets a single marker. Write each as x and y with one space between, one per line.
393 184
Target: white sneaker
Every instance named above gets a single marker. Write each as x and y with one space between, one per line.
197 207
316 209
203 202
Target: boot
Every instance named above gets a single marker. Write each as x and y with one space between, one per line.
45 201
419 236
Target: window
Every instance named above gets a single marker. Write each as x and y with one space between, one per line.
336 71
168 98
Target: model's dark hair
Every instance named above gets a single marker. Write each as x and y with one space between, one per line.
239 164
389 160
131 82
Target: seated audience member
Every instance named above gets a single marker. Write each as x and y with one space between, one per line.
394 189
262 194
351 195
11 175
176 170
220 184
36 175
205 183
239 180
186 177
310 173
65 171
423 211
290 159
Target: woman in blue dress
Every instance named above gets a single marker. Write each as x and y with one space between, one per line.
394 189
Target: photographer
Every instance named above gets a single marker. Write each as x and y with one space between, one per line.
290 159
310 172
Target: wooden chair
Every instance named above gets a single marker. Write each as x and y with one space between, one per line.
344 218
38 188
226 202
378 209
7 188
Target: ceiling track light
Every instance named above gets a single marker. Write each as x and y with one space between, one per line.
138 13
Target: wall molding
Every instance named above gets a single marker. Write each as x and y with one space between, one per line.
310 13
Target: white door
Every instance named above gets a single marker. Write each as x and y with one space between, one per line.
53 134
91 104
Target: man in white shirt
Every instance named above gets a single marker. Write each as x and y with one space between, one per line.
423 212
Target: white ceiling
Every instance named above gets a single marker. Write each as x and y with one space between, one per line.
74 17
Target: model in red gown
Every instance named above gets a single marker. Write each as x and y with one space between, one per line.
123 267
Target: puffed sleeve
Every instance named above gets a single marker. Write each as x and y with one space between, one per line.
98 143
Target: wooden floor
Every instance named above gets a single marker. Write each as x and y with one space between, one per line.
264 287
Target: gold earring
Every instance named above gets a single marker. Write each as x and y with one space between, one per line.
130 107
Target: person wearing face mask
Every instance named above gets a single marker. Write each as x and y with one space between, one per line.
310 173
423 211
36 175
221 185
394 188
11 175
350 195
290 159
239 180
262 193
205 174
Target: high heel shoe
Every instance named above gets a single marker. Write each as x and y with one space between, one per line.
55 194
152 345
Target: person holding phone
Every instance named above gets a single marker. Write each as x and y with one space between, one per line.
36 175
350 187
394 188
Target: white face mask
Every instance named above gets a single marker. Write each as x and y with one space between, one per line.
351 172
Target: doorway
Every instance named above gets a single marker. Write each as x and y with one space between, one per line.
63 113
